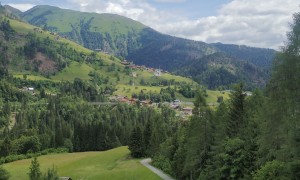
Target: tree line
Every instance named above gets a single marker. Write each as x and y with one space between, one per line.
247 137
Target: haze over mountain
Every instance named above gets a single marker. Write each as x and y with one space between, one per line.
141 44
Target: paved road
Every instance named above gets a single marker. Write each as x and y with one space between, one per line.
160 173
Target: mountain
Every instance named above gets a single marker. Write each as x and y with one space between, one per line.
12 10
118 35
136 42
258 56
168 52
220 69
108 32
30 53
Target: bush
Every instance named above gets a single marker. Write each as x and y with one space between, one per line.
272 171
12 158
295 169
163 163
51 174
4 175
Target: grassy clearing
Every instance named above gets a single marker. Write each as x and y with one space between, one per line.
127 90
31 77
149 77
112 164
74 70
21 27
213 96
82 70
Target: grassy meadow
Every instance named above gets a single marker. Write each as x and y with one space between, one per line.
111 164
75 70
82 70
213 95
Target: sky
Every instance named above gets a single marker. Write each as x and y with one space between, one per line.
257 23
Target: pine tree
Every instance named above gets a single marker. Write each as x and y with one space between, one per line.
136 143
236 123
280 131
5 147
51 174
147 134
199 138
34 170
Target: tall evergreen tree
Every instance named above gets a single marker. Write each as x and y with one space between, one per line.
5 147
34 170
281 128
136 143
199 138
236 122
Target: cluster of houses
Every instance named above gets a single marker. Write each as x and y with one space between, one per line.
176 104
30 90
156 72
57 37
101 50
130 101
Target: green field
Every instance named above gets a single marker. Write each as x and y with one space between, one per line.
111 164
82 70
72 71
31 77
213 96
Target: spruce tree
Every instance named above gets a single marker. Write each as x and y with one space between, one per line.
51 174
280 131
236 123
199 138
34 170
136 143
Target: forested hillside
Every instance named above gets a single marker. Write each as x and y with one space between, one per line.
54 95
144 46
107 32
257 56
220 69
12 10
28 52
54 98
248 137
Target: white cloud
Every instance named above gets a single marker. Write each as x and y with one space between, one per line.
255 23
127 8
21 7
170 1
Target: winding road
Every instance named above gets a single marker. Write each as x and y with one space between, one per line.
160 173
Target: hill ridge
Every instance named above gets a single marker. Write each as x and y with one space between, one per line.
131 40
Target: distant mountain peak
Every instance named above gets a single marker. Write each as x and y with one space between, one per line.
136 42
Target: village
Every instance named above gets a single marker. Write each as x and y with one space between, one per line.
177 105
183 109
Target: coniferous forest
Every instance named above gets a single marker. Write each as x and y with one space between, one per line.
247 137
253 136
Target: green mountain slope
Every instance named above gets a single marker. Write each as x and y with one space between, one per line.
107 32
12 10
132 40
118 35
30 53
168 52
218 69
258 56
